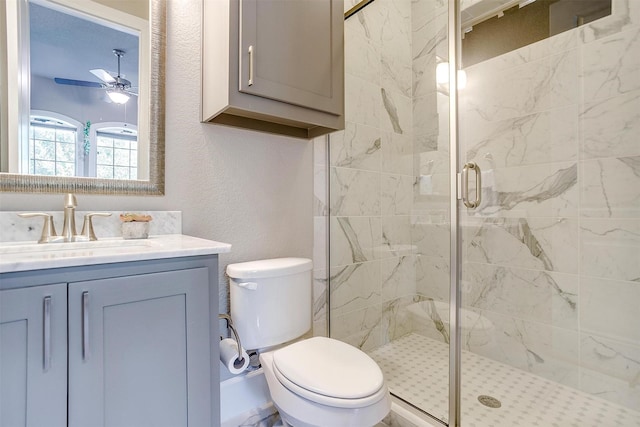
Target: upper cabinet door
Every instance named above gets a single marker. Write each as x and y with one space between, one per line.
33 356
291 51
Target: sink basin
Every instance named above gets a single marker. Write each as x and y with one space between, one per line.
23 256
25 248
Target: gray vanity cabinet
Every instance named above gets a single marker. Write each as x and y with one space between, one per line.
137 337
33 357
274 65
138 349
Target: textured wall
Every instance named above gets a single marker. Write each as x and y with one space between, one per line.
245 188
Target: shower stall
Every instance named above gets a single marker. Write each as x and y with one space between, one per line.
478 220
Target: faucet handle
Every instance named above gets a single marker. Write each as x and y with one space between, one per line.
87 227
48 229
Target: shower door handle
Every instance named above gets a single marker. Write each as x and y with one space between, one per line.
465 185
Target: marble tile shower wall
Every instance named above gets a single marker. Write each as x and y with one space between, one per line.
370 169
552 256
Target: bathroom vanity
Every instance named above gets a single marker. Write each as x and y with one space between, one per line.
116 332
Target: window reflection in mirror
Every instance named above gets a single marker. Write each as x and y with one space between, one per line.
490 31
85 71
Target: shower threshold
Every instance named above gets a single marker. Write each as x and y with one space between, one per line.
526 400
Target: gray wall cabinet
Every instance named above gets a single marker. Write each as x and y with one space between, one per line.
138 346
274 65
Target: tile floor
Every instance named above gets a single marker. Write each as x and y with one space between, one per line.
416 370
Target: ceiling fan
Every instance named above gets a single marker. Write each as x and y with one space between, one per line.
118 88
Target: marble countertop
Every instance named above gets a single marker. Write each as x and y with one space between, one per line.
27 256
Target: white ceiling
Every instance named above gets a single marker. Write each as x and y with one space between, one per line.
68 47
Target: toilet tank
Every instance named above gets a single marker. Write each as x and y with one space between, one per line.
270 300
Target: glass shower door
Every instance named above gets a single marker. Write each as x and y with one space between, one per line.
550 259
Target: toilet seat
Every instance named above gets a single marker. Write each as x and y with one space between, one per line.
329 372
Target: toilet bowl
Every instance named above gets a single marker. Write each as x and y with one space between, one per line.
316 382
321 382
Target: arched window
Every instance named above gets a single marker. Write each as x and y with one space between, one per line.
53 145
116 147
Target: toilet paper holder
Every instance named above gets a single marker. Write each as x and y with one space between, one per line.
235 333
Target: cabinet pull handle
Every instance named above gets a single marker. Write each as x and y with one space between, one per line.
46 338
250 65
465 185
85 325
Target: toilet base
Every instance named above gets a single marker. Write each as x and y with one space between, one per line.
297 411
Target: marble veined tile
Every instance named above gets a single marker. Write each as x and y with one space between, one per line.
358 146
537 243
395 112
433 277
541 296
362 58
424 75
396 236
396 194
432 239
398 277
610 308
611 65
623 17
354 287
320 295
610 127
535 190
396 319
614 390
610 187
396 32
529 88
362 101
540 349
610 248
362 328
430 38
354 192
396 76
550 136
425 114
396 153
354 239
618 364
366 23
423 11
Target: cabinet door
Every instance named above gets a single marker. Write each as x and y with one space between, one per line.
292 51
33 356
139 351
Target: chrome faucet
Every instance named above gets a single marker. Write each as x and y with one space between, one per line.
69 222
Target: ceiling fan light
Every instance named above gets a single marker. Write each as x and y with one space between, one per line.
118 96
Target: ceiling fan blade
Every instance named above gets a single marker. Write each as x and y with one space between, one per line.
72 82
103 75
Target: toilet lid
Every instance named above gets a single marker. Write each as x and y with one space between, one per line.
330 368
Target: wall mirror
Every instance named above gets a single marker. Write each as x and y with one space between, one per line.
82 96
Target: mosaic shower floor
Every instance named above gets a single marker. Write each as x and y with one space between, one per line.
416 370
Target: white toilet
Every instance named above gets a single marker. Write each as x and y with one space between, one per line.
317 382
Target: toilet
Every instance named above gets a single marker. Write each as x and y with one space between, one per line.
315 382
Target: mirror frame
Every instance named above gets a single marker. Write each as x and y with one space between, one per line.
10 182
